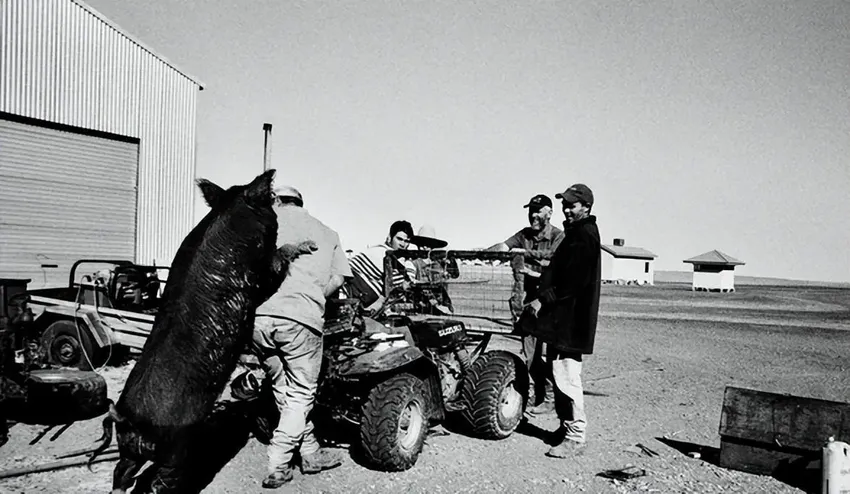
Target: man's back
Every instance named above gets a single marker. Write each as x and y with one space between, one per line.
301 295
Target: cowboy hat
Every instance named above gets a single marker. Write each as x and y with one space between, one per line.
427 237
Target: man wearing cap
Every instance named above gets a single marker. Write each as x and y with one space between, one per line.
287 337
368 266
537 242
566 312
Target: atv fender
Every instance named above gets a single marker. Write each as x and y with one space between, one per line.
380 359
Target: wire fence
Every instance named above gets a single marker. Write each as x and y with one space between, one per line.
480 284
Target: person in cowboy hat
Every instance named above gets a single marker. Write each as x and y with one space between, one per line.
427 269
537 242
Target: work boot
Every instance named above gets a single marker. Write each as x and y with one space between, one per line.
320 460
278 478
544 406
565 449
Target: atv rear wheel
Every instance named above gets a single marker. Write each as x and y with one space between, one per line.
394 423
494 403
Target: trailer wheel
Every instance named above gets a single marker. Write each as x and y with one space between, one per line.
60 396
65 346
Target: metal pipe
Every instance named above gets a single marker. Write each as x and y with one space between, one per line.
56 465
267 147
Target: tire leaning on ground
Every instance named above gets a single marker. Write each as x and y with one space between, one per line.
64 345
492 395
61 396
394 423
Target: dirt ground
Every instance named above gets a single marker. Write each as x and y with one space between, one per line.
664 356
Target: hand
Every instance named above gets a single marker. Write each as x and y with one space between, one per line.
533 307
307 247
376 306
291 252
529 272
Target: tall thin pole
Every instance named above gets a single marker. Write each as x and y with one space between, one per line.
267 146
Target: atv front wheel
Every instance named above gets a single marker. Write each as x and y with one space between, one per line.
394 423
494 403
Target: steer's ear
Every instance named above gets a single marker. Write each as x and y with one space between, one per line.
261 187
213 194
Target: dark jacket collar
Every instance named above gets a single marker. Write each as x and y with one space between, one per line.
591 219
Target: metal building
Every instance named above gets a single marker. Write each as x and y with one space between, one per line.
97 143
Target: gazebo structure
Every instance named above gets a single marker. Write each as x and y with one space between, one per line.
714 271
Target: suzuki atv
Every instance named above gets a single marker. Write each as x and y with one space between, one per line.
397 378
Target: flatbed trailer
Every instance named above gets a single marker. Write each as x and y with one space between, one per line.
108 312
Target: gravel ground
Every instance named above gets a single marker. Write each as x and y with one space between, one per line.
649 380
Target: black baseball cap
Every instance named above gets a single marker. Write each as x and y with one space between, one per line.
539 201
577 193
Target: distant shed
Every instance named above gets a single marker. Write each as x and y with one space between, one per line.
625 264
714 271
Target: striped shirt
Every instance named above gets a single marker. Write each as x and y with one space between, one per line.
369 267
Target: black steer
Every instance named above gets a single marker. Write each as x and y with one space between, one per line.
225 268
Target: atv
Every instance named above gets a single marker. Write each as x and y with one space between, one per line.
396 378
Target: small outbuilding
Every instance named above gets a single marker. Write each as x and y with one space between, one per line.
714 271
623 264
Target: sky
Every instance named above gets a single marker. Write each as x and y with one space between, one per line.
698 125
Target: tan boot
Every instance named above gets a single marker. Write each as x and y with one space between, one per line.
278 478
566 449
320 460
548 406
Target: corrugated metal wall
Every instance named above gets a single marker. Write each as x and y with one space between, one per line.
66 196
61 61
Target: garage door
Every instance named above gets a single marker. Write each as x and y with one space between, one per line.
64 195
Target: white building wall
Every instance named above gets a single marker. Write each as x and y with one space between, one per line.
607 266
727 280
63 62
627 269
724 280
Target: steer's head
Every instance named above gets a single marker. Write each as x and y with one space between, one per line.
256 195
241 228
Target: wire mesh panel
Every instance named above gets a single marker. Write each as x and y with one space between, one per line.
479 284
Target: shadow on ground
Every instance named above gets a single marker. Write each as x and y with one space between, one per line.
222 436
797 473
526 428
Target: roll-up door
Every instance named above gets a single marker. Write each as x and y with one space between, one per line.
64 195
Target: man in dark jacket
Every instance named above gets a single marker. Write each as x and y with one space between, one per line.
566 312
